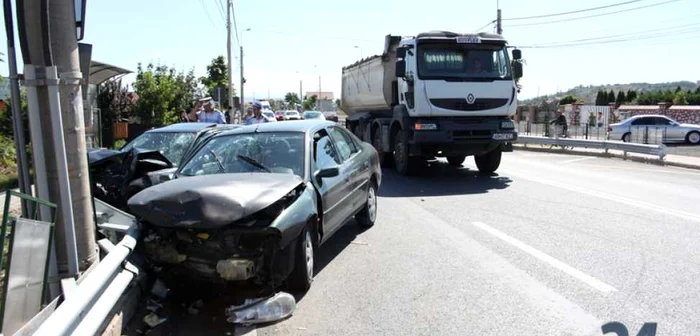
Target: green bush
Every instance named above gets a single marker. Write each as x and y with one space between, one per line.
119 144
8 154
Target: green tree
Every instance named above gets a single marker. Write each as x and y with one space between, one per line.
217 76
337 103
186 90
602 98
156 88
309 103
630 96
611 96
113 101
621 99
292 99
568 99
680 98
678 89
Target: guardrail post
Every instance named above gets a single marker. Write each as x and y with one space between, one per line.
586 130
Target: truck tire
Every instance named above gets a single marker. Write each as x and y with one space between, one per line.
405 164
456 160
489 162
385 159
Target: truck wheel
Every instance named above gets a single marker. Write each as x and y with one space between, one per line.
489 162
405 164
385 159
456 160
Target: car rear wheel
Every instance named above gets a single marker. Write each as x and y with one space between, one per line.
366 217
626 137
693 138
303 274
456 160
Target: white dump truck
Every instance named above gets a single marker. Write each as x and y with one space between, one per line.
438 94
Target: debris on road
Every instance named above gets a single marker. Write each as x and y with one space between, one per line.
153 320
159 290
262 310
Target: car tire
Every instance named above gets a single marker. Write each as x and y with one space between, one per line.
626 137
693 138
385 159
456 160
366 217
405 164
489 162
304 257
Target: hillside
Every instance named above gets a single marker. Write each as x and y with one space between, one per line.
589 92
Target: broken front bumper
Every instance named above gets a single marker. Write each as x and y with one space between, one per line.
218 256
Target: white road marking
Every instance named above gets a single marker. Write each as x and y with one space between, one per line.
668 170
576 160
639 204
589 280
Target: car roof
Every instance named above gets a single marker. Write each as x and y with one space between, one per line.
302 126
184 127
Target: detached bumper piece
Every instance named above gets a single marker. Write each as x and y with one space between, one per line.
216 256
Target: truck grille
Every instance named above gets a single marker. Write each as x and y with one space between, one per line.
460 104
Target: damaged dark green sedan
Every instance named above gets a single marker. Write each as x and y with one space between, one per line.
253 204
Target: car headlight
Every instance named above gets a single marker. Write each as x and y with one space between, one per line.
509 124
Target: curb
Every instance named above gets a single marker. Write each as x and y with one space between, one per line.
633 158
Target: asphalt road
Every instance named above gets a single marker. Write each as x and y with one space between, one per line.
551 245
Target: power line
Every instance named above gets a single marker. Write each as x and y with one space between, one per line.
235 26
592 16
220 7
486 25
207 12
572 12
671 30
316 36
637 38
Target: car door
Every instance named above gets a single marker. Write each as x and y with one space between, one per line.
331 189
673 131
355 168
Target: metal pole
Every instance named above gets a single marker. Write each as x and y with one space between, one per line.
25 183
242 80
318 101
299 92
66 204
499 28
228 50
71 160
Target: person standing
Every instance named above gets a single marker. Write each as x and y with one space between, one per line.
210 115
257 117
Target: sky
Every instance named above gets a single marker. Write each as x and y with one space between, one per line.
311 40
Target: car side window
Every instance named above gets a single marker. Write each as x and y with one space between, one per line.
343 141
325 154
662 121
641 122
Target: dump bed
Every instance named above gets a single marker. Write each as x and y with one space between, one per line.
368 85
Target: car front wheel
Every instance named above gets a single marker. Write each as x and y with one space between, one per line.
303 274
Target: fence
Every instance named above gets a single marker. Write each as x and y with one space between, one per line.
648 135
585 131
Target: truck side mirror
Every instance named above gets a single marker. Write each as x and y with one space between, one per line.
401 52
400 69
517 70
517 54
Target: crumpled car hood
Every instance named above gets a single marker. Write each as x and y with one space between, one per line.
210 201
99 154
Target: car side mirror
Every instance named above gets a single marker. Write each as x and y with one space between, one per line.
400 69
326 173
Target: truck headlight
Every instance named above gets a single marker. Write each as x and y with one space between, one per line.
425 127
509 124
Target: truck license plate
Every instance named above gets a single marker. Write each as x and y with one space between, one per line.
503 136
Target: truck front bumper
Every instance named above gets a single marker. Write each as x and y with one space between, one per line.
460 136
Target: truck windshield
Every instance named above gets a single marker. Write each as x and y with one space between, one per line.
462 61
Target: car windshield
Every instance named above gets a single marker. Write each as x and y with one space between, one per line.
277 152
291 113
171 144
440 60
311 115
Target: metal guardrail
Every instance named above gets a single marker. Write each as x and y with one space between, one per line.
89 303
656 150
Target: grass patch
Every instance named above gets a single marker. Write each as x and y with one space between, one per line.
8 181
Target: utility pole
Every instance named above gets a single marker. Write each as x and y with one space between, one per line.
318 101
300 90
499 29
64 45
242 81
228 50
